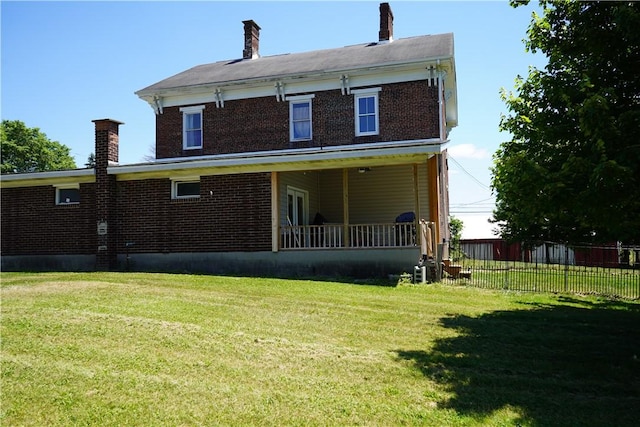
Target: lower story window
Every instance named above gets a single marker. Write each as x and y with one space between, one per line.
184 189
68 195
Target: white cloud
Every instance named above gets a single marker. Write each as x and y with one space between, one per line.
468 151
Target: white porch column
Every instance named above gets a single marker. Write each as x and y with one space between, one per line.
275 212
416 192
345 206
434 194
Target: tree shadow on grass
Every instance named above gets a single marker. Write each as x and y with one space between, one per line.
576 363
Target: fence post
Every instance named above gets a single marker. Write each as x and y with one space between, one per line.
506 274
566 267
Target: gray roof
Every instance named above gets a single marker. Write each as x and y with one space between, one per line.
400 51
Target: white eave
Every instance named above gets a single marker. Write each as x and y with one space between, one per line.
147 94
357 155
364 65
35 179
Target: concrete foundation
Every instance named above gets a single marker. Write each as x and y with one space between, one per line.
366 263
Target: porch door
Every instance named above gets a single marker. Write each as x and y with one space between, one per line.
297 214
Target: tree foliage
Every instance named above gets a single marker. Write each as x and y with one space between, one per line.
571 171
24 149
455 229
91 161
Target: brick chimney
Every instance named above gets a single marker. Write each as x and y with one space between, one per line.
386 23
106 154
251 40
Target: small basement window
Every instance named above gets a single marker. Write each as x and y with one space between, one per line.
68 195
185 188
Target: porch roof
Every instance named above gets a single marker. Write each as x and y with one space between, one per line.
47 178
359 155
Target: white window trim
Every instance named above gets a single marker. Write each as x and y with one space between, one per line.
66 187
183 180
192 110
365 93
298 99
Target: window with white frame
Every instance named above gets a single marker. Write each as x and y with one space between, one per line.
192 127
297 206
300 123
68 194
185 188
366 111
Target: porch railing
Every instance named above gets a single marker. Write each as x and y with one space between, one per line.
350 236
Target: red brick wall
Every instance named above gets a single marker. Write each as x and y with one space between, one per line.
32 223
233 213
407 111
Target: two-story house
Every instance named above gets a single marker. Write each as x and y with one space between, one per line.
314 163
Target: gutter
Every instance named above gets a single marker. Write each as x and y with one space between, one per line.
47 175
46 178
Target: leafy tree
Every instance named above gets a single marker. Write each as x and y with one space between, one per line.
91 161
455 228
571 171
26 149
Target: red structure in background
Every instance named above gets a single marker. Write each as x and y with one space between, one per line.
610 255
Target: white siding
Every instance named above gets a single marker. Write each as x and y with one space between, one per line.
331 195
307 181
376 196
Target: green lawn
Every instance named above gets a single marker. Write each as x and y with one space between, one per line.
161 349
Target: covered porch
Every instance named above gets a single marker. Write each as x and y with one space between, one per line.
359 206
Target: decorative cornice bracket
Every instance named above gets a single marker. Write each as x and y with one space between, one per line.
219 98
157 104
280 92
345 87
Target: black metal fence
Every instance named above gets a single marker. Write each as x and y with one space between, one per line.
610 270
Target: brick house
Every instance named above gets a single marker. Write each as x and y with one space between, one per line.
314 163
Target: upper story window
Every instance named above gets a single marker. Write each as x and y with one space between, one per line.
300 123
185 188
366 111
68 194
192 127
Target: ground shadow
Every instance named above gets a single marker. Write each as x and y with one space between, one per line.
577 363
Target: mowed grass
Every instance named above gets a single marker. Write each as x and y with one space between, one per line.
168 350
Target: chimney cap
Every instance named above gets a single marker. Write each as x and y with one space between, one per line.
252 23
107 120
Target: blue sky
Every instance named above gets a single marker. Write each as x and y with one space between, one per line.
67 63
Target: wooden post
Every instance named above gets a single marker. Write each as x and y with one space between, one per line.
345 206
275 212
434 200
416 193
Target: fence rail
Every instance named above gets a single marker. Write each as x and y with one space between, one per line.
612 271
